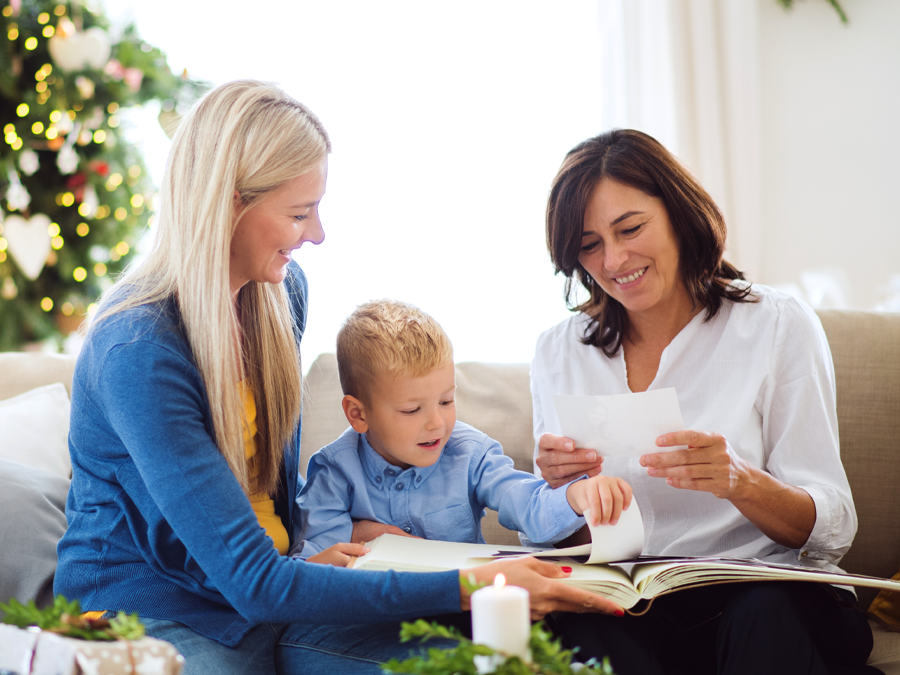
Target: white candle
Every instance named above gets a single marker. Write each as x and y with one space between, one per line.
501 618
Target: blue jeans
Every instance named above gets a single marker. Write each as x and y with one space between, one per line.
295 649
202 656
307 649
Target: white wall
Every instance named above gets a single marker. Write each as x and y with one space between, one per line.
830 107
448 124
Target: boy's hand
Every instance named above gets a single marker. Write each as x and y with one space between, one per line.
339 555
604 496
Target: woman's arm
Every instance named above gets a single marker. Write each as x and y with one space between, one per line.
543 582
201 519
800 498
784 513
555 457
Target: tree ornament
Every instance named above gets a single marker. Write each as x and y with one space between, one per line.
72 49
9 291
17 196
131 76
29 242
29 162
90 201
67 160
85 87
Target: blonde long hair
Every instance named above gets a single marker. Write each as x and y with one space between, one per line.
249 137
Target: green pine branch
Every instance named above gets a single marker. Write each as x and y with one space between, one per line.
64 618
548 656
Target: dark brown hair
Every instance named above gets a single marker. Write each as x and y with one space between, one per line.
639 161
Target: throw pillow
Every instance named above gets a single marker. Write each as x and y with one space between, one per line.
33 506
36 429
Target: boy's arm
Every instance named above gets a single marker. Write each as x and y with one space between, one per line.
324 506
523 502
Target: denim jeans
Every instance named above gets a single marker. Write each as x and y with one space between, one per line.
202 656
307 649
295 649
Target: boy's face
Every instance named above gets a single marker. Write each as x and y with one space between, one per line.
409 419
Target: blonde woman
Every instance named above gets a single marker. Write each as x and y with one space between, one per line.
186 423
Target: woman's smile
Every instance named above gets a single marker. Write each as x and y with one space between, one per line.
628 280
628 246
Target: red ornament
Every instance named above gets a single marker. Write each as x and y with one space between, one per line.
76 184
99 167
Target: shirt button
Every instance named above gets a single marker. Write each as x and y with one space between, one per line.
377 479
389 472
418 479
399 486
803 554
407 529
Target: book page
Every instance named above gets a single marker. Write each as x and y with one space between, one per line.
625 425
393 552
407 554
609 543
657 578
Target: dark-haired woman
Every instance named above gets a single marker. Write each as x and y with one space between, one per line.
762 477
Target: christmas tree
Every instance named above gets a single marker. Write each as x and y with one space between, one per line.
74 196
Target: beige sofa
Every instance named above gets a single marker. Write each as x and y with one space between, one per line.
495 398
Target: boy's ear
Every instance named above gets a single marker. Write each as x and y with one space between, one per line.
355 412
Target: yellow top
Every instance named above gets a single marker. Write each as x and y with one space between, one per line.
262 503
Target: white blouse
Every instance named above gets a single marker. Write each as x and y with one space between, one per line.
761 375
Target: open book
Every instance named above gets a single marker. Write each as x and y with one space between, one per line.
631 582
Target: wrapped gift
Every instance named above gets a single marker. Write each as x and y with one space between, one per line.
34 652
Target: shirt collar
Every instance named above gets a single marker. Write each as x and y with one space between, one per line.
382 473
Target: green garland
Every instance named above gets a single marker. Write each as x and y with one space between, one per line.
64 618
63 148
547 655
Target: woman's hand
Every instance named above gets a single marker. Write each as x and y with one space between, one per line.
783 512
339 555
541 580
367 530
709 464
561 462
604 496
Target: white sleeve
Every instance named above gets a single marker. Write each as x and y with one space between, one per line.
800 430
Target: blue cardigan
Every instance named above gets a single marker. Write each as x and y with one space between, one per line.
158 524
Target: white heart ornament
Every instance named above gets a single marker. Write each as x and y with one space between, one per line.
29 242
78 50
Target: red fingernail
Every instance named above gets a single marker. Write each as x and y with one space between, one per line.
619 612
567 570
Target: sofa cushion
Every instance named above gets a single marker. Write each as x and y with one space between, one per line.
21 372
36 429
33 506
865 347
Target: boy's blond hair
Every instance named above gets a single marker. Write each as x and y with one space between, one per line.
392 337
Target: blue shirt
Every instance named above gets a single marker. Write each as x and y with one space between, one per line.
347 480
159 525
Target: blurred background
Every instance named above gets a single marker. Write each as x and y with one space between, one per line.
448 122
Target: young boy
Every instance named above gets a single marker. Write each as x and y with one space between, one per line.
406 461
